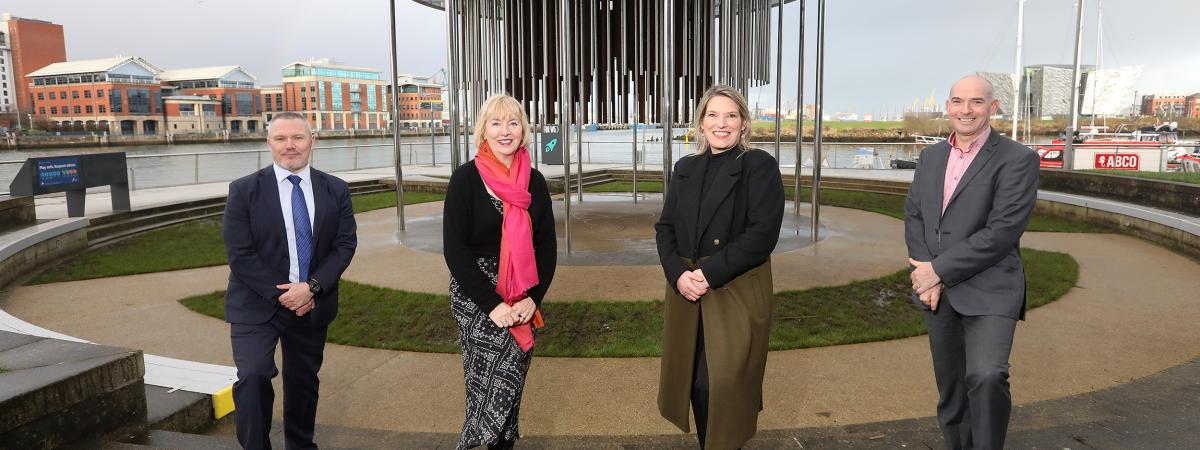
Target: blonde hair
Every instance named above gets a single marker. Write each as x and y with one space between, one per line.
501 106
721 90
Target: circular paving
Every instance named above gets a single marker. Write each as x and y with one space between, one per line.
606 230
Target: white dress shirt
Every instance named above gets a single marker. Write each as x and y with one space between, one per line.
285 203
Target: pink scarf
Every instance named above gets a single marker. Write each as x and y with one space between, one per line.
518 268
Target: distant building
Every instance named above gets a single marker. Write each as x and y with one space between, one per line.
120 95
1171 106
192 114
272 101
1045 90
26 45
420 104
336 97
241 104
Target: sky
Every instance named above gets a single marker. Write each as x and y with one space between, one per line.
880 55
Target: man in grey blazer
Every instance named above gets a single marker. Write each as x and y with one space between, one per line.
969 203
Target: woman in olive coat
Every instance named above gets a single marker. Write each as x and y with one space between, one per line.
719 224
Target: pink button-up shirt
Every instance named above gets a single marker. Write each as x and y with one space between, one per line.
960 159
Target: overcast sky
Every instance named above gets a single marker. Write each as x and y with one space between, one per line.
880 54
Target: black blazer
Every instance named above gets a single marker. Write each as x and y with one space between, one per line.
737 223
975 245
257 247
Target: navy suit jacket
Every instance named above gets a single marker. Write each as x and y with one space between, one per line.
257 247
975 244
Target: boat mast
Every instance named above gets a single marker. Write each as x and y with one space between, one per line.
1099 56
1069 147
1017 69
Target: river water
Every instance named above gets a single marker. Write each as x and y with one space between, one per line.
174 165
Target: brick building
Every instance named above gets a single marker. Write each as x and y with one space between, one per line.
1171 106
192 114
120 95
420 105
26 45
232 86
336 97
272 101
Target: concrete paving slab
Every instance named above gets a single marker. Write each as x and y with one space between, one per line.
1142 309
1132 315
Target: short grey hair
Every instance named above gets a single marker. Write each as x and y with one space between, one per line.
289 115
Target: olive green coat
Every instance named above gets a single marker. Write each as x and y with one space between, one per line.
736 225
737 329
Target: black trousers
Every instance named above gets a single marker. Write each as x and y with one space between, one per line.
700 385
970 364
303 348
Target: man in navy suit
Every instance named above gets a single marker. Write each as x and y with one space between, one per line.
289 234
969 203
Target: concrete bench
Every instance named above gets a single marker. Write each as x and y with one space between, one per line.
27 248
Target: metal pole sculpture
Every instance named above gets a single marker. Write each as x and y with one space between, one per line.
664 83
799 120
453 82
396 123
817 132
564 112
778 80
534 51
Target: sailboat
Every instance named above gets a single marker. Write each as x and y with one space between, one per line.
1154 149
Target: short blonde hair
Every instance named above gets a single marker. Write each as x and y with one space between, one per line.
721 90
501 106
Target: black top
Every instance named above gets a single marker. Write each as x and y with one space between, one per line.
715 161
471 230
739 215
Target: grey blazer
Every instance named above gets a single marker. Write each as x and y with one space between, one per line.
975 244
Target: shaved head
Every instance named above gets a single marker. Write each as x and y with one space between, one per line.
973 82
970 107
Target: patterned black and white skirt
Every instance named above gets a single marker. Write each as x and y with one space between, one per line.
494 369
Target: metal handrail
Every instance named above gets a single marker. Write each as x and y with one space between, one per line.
355 161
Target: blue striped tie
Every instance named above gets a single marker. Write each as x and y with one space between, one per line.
303 228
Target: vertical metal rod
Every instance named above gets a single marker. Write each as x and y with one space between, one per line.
633 98
817 132
579 105
452 80
778 80
1016 106
564 65
1099 55
799 120
395 121
470 62
665 87
1069 147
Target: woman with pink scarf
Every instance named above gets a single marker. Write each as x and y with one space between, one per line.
499 243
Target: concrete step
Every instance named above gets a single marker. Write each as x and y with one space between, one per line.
106 234
124 216
179 410
369 186
57 393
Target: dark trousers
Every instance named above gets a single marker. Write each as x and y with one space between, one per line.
700 385
254 355
970 364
